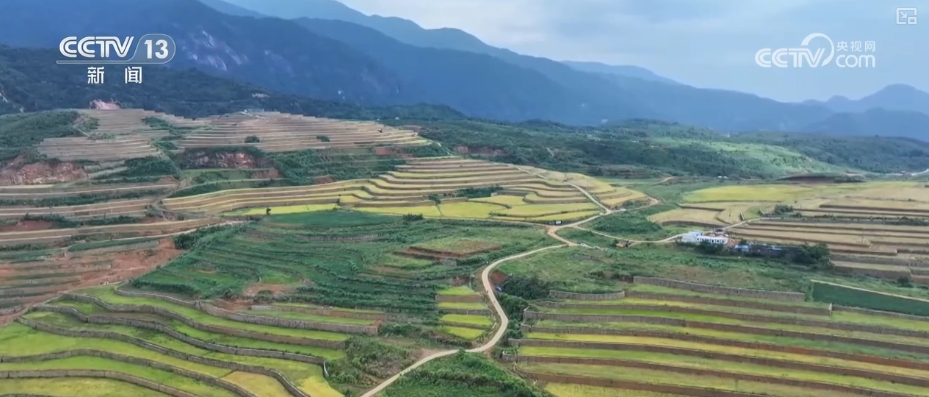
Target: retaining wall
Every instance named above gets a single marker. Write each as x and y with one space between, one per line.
587 318
751 378
748 345
840 308
710 289
630 385
290 386
459 298
237 390
95 374
202 327
586 297
478 312
288 323
861 373
321 312
261 320
774 307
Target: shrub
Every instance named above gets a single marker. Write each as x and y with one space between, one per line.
252 139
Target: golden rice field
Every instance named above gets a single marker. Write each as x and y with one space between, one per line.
730 354
526 196
687 216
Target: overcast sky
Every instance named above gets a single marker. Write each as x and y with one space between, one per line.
705 43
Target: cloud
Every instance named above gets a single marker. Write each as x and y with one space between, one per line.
708 43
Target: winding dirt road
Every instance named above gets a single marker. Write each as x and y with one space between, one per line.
503 321
502 326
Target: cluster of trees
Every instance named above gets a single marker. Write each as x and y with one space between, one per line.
20 133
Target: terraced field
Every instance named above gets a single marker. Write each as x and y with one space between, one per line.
282 307
706 340
119 135
869 249
435 187
278 132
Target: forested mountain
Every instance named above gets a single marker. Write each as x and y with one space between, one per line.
30 81
654 96
338 60
276 54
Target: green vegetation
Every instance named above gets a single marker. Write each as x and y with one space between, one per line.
462 374
634 224
60 221
874 300
594 271
304 251
34 82
252 139
306 165
149 166
80 199
109 243
20 133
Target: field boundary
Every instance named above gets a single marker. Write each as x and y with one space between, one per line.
630 385
711 289
721 314
44 374
586 297
732 328
768 362
728 375
235 389
202 327
290 386
248 318
824 311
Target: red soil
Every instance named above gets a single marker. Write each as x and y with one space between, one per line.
125 266
497 277
24 226
18 173
323 180
383 151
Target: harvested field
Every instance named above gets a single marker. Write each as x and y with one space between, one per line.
279 132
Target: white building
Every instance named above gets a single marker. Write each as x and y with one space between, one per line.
697 237
692 237
713 239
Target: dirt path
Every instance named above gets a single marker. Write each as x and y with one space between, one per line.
504 323
489 290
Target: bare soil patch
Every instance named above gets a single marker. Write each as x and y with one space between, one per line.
25 226
497 277
323 180
276 289
383 151
19 173
272 173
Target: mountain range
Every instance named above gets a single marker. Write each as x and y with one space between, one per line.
326 50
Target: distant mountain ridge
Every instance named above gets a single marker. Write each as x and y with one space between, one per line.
896 97
655 96
335 59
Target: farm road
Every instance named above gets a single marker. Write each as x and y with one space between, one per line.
504 323
489 290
